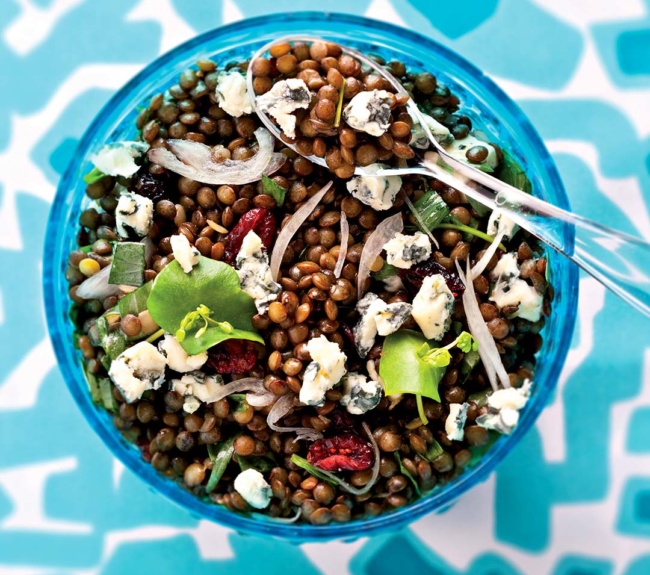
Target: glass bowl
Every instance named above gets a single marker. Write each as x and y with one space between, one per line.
494 112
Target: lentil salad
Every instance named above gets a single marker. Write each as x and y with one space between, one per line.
314 308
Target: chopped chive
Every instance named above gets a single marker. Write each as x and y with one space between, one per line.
339 106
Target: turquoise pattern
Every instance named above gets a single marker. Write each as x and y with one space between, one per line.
574 498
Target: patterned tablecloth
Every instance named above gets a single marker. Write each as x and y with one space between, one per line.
575 497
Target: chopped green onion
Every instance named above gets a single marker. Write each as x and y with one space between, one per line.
220 454
93 176
108 399
319 473
407 473
155 335
339 106
471 231
433 451
432 209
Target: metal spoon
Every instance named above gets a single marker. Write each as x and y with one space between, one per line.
617 260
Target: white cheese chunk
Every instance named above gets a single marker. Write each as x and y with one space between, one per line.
378 192
285 97
324 372
369 112
505 405
497 221
510 290
138 369
118 158
393 284
433 306
255 273
197 387
419 138
232 95
455 422
133 215
177 358
458 149
252 486
403 251
184 252
360 394
377 317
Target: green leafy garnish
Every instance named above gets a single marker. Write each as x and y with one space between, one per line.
201 317
339 105
93 385
319 473
478 207
128 264
212 284
93 176
239 400
407 473
433 451
469 362
512 173
220 454
440 356
261 464
485 168
136 301
271 188
386 271
106 391
432 209
471 231
480 397
114 342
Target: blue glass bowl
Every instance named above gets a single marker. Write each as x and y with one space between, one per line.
481 99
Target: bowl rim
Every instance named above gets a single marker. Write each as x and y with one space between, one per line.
437 499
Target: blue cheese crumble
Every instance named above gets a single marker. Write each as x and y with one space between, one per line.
232 95
369 112
285 97
433 306
196 387
360 394
184 253
403 251
455 422
378 192
377 317
255 490
497 221
138 369
118 158
133 215
255 273
324 372
511 290
177 358
420 139
505 405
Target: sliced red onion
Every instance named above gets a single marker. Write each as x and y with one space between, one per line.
195 161
292 226
480 265
281 408
260 399
487 348
385 231
343 252
97 286
420 221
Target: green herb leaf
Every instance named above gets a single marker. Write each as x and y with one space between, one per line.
433 451
386 271
136 301
403 370
469 362
113 342
220 454
480 397
212 284
128 264
485 168
239 400
108 399
406 472
93 176
478 207
309 468
471 231
512 173
432 209
271 188
261 464
93 385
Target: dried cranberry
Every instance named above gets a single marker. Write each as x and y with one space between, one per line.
340 421
413 277
259 220
153 187
233 356
345 452
143 444
348 334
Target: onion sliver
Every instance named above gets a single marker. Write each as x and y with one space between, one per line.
281 408
195 161
480 265
385 231
292 226
97 286
343 252
487 349
260 399
247 384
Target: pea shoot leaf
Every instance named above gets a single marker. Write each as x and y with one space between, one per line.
128 264
136 301
210 283
402 368
273 189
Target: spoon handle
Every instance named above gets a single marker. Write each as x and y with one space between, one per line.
619 261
